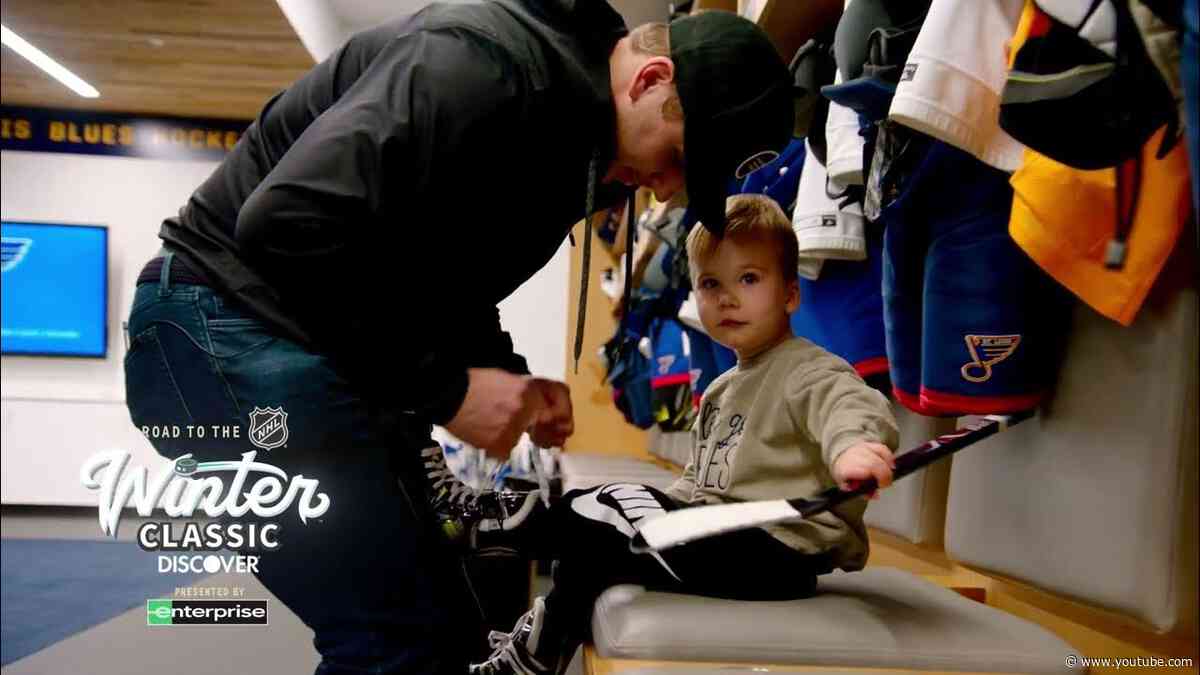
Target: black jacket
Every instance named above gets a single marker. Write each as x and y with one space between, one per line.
379 208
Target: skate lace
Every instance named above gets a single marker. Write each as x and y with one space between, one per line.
504 661
443 481
509 654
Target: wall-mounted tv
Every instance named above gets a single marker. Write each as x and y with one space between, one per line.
54 288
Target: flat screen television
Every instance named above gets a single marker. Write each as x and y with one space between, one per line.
54 288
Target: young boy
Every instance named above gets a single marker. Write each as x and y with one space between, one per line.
789 420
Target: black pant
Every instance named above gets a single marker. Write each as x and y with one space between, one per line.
590 535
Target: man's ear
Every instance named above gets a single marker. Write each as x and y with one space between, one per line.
793 295
656 71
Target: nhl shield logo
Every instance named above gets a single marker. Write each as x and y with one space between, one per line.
268 427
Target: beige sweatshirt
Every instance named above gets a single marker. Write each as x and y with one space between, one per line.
771 428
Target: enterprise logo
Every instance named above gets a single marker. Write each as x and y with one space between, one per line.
166 612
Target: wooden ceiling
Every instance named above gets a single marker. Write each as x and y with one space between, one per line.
192 58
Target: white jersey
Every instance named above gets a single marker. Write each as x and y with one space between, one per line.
843 144
822 230
954 77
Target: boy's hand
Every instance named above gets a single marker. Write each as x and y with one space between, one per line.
863 461
555 421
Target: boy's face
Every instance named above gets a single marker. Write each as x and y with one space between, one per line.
743 299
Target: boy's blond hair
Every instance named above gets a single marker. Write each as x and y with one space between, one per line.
748 217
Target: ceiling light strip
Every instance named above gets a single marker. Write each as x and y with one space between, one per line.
53 68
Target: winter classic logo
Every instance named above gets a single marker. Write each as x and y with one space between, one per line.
182 488
268 427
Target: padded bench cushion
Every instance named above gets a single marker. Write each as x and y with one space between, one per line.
880 617
675 446
585 462
583 470
659 481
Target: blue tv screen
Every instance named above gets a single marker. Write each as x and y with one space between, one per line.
54 283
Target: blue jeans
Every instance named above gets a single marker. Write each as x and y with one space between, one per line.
371 577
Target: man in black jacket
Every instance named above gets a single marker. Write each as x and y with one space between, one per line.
304 285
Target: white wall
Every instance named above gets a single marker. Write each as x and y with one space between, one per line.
56 412
536 317
131 197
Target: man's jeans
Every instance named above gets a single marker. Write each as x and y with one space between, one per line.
379 588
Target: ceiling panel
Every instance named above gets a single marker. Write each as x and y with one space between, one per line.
197 58
360 14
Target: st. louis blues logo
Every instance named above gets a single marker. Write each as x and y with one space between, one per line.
268 427
755 162
14 251
986 351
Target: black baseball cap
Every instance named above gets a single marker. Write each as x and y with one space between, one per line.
738 112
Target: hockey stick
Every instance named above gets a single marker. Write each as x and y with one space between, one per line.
679 527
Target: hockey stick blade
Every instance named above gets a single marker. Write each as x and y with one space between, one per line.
684 525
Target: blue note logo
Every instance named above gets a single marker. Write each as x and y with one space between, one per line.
268 427
986 351
14 251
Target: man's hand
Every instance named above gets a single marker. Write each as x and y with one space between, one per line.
862 461
555 422
498 408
